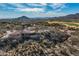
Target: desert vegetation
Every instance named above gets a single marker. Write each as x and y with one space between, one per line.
39 39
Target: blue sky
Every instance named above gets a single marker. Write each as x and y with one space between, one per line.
13 10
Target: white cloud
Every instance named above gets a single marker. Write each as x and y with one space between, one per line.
31 9
58 6
49 14
43 3
56 14
35 4
18 5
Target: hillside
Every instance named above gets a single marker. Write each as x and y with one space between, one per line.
67 18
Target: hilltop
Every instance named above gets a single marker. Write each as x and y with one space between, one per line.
67 18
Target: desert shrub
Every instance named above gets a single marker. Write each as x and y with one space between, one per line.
73 28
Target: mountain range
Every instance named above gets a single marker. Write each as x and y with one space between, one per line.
70 17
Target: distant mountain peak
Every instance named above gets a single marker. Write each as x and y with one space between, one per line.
23 17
